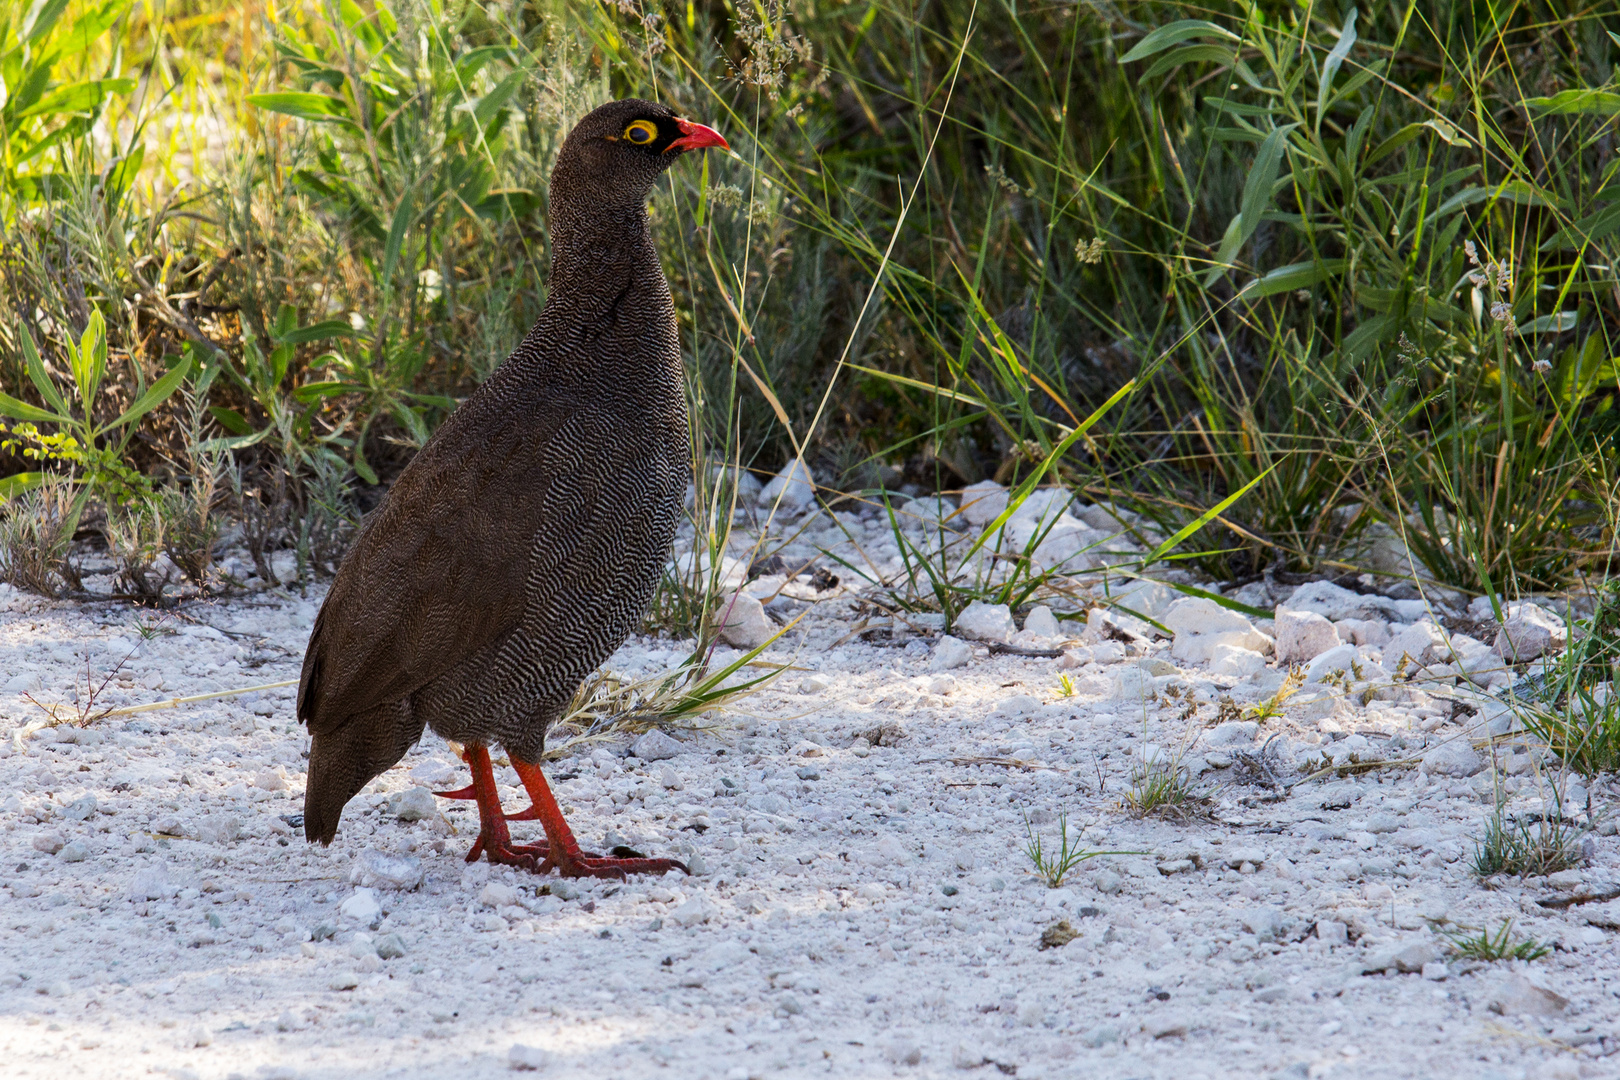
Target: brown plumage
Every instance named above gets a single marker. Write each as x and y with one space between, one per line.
523 542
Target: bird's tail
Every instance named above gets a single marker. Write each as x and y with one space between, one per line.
346 758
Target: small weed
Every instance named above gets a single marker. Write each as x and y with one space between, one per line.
36 531
1065 686
1271 708
1515 847
1163 787
1502 945
1055 866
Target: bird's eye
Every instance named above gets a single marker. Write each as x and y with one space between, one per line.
641 132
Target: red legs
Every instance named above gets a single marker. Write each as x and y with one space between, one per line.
563 850
496 841
493 837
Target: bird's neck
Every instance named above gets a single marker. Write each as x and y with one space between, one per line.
594 245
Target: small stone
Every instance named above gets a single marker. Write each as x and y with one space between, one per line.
699 909
656 746
362 907
413 804
343 980
1233 733
1166 1025
1423 642
1334 661
670 780
902 1049
987 622
1518 995
1453 758
1101 1036
270 780
151 883
983 502
1200 625
80 809
794 486
1331 932
49 842
74 851
746 625
1041 621
527 1058
563 889
374 869
219 829
1018 705
814 684
1303 635
1436 971
950 652
390 947
1528 632
1235 661
1031 1013
200 1036
498 894
1058 935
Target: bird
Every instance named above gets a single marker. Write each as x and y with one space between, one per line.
523 542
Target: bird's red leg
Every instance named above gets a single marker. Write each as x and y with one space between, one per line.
493 838
563 850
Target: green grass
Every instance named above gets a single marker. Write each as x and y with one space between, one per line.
1355 275
1522 849
1503 944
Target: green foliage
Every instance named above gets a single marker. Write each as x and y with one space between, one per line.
97 450
1518 847
41 114
1353 268
1575 710
1052 866
1503 944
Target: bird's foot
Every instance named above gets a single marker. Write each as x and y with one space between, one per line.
506 853
588 864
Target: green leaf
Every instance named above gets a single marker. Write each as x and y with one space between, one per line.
17 483
42 381
1203 519
320 331
1550 324
1291 277
90 361
39 21
316 108
155 395
1174 34
312 391
1231 244
1257 189
231 420
215 446
1578 100
403 215
79 97
1330 66
122 175
1588 230
361 467
496 100
1189 54
21 410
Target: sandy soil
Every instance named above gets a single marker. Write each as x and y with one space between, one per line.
862 910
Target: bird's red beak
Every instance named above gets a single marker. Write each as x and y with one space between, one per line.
696 137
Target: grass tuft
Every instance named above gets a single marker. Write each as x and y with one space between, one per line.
1503 944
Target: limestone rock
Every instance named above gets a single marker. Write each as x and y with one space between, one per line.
656 746
950 653
987 622
1529 632
794 484
746 626
1303 635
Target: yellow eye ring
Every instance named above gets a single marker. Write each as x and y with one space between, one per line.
641 132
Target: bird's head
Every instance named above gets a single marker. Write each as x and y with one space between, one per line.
621 148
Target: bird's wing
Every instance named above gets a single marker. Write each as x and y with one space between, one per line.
438 573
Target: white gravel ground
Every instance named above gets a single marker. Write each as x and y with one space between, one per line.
863 911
